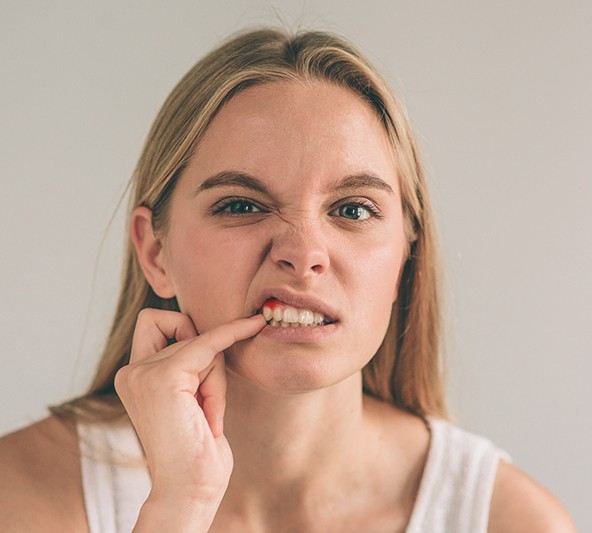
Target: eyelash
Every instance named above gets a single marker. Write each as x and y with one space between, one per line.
219 208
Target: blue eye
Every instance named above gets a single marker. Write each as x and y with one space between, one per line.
237 206
356 208
353 211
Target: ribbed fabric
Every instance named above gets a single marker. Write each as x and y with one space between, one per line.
113 494
454 493
457 483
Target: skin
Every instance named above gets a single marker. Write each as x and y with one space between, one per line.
311 452
304 437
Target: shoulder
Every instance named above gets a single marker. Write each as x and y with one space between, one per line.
519 503
40 481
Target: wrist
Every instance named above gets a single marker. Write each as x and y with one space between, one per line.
167 512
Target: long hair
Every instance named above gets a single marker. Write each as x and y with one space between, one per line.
408 368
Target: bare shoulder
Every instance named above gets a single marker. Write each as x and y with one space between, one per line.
40 487
519 503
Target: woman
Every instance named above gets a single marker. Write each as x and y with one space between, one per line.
274 359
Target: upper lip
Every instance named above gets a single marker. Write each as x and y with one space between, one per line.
301 300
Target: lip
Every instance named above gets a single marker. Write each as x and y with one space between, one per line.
300 300
299 334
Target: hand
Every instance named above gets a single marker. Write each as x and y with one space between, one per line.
175 397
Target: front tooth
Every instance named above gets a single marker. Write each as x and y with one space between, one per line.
305 317
290 314
277 314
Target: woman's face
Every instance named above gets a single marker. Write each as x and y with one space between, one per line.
299 140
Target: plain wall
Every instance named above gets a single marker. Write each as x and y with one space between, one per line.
499 95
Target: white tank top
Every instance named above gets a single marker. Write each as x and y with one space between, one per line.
454 493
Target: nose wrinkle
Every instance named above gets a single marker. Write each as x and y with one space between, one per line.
293 225
297 212
298 231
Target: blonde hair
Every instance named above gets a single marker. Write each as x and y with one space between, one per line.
407 370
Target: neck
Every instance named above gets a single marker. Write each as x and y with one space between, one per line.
297 448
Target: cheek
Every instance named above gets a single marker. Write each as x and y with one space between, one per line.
379 268
211 274
203 254
376 293
374 286
196 265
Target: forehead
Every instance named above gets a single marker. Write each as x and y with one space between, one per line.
286 128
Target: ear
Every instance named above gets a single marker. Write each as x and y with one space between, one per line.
150 252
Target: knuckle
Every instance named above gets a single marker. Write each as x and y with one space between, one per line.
219 360
142 379
158 377
135 376
205 345
121 377
168 376
146 313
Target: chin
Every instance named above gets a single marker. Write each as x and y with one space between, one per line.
291 372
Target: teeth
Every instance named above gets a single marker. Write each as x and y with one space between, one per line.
290 316
306 317
277 314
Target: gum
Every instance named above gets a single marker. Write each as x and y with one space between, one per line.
273 303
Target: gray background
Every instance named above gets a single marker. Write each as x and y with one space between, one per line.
499 95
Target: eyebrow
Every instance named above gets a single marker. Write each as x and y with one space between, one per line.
228 178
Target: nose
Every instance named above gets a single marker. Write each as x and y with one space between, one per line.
300 250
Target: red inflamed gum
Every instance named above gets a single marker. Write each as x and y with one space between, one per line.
272 303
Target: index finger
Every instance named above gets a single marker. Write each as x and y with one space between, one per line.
218 339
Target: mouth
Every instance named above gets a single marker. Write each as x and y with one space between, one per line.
279 313
326 321
283 306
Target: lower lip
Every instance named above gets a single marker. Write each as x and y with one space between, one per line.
300 333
